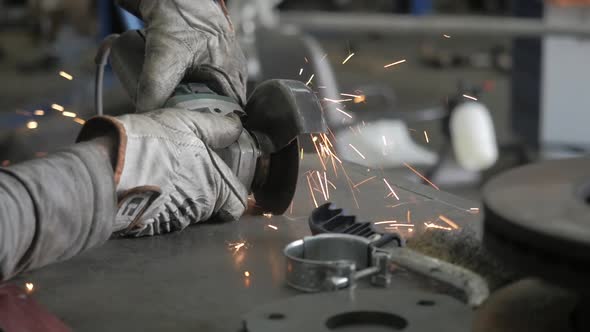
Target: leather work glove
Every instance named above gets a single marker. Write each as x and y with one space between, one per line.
167 175
192 39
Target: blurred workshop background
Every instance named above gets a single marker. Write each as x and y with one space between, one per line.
393 76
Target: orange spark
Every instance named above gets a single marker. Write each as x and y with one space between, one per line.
273 227
337 101
448 221
80 121
341 111
391 189
331 184
364 181
399 204
57 107
39 112
426 136
311 191
333 165
247 274
237 246
301 153
409 216
32 125
326 140
314 139
29 286
447 36
348 58
66 75
401 225
395 63
422 176
322 186
357 151
386 222
332 134
349 181
69 114
267 215
474 210
360 99
326 182
350 95
431 225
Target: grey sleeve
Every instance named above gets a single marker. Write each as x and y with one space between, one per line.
54 208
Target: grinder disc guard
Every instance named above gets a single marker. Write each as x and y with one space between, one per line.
277 189
537 217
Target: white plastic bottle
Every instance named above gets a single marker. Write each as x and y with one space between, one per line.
473 136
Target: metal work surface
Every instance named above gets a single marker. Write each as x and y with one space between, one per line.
196 280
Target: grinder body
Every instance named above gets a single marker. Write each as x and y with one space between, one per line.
265 157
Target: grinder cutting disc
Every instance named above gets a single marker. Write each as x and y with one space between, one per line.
537 217
280 111
275 194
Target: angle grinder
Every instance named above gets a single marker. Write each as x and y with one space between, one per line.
265 158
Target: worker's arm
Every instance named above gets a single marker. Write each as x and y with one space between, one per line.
135 175
55 207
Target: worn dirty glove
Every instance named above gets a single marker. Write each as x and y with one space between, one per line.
167 175
191 39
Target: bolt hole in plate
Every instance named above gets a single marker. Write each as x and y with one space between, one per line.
426 303
373 320
276 316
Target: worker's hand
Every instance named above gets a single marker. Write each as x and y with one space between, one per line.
166 173
187 38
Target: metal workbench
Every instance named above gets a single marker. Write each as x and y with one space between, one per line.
194 280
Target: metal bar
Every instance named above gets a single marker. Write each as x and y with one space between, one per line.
438 24
475 287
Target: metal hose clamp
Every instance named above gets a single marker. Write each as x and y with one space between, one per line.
333 261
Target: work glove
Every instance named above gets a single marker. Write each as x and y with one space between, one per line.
166 174
192 39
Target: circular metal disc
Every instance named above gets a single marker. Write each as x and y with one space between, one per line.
276 194
538 218
362 310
